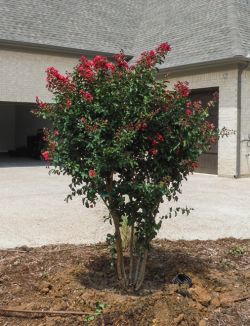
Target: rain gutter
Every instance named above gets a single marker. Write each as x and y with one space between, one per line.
55 48
241 68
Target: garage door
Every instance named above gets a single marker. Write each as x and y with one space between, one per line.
208 162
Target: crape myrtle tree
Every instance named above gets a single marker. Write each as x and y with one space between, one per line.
125 137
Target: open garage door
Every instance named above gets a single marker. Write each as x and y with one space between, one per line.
20 131
208 162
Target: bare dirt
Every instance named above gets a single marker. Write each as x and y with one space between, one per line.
75 278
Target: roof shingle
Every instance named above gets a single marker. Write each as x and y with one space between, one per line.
198 30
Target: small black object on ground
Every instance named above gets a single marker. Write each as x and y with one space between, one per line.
182 279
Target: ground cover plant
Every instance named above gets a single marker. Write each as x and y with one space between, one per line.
128 138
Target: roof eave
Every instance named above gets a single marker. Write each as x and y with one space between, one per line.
206 64
55 49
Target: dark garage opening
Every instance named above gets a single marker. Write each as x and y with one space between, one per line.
208 162
21 137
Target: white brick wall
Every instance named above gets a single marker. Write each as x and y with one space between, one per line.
226 79
23 73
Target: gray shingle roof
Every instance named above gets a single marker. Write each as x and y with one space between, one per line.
198 30
97 25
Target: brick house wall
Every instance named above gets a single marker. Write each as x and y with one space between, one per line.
226 79
24 73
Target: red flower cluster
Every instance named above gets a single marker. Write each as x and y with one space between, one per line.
100 62
160 137
46 155
188 112
68 103
153 151
41 105
148 57
154 142
110 66
92 173
86 72
54 79
85 69
143 126
151 57
182 88
120 60
163 48
88 97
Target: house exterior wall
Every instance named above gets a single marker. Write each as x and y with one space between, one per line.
226 79
24 73
245 124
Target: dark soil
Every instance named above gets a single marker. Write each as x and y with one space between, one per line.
75 278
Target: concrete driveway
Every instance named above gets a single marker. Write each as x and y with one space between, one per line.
33 211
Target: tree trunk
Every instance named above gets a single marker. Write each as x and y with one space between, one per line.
118 240
119 251
141 274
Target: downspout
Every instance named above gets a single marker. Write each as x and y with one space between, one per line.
241 68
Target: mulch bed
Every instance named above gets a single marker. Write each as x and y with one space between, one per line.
75 278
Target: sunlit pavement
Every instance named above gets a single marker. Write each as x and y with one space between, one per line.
33 211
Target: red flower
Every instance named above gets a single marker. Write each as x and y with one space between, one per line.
148 57
92 173
149 61
99 62
68 103
56 80
120 60
85 70
40 104
151 54
160 137
56 133
182 88
155 142
189 112
153 151
163 48
46 156
143 126
110 66
85 62
88 97
89 74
